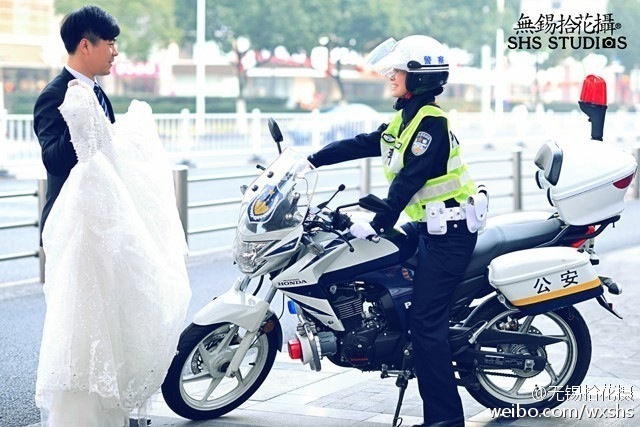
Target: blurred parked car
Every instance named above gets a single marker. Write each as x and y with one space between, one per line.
335 123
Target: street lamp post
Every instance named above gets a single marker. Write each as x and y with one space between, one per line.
3 127
200 67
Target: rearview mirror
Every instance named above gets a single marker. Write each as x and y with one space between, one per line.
275 130
373 204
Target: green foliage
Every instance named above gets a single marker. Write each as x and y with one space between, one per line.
458 23
22 103
144 24
627 13
266 24
357 24
175 104
18 102
300 25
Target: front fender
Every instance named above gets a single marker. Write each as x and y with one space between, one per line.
240 308
235 306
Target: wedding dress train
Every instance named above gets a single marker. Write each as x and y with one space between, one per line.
116 284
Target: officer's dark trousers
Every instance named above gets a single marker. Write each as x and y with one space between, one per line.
442 260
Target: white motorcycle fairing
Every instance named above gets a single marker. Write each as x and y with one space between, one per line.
299 281
235 306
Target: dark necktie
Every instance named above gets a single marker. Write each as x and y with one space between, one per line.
101 100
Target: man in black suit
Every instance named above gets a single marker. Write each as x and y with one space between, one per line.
89 35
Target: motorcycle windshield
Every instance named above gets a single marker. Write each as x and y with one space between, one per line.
279 198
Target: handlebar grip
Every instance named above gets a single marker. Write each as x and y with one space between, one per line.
373 238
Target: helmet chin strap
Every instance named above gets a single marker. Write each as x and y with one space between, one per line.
402 101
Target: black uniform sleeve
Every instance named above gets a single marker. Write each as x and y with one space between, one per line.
360 146
58 154
418 168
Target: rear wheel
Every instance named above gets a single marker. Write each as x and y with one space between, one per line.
566 367
196 386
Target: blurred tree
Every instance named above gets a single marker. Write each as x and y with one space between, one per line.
355 25
626 13
340 25
265 26
458 24
296 25
145 25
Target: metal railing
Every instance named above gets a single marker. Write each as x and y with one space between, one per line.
19 224
231 133
40 193
365 186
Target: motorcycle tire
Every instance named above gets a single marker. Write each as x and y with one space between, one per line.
196 388
543 395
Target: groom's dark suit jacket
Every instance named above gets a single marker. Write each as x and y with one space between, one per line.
52 131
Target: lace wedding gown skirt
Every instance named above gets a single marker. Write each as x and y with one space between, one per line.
116 284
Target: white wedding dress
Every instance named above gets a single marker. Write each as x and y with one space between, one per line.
116 283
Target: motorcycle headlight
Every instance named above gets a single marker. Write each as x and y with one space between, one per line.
247 255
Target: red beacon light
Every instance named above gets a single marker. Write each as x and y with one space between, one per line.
593 102
594 90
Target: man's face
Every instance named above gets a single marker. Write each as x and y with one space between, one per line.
101 55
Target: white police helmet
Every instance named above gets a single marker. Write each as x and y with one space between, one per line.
423 58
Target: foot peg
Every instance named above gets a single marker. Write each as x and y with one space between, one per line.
612 286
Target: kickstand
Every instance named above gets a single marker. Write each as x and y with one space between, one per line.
402 383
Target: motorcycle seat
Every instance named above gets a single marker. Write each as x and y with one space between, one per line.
503 234
523 230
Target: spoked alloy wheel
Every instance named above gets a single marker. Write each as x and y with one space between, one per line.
566 367
196 386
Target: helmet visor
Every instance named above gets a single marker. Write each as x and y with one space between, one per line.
381 58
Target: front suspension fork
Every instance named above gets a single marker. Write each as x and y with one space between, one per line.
249 336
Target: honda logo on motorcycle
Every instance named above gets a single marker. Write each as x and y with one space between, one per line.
292 282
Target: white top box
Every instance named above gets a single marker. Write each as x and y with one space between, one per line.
590 164
593 180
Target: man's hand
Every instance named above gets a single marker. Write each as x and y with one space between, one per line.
362 230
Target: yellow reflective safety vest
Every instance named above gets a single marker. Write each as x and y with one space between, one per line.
455 184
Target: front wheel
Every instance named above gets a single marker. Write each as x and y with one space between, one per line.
566 367
196 386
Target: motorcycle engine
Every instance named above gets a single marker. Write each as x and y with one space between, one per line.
358 347
366 343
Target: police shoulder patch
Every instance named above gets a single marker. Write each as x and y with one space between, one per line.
421 143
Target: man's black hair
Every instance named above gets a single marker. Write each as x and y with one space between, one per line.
89 22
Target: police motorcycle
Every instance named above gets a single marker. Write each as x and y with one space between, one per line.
516 337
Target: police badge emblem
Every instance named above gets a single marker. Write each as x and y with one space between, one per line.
421 143
262 207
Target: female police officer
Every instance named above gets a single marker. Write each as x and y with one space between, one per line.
429 181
